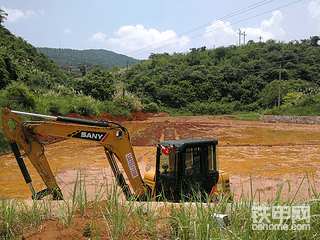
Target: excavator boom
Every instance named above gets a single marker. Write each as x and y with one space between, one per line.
114 137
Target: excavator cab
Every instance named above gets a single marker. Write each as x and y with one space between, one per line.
188 169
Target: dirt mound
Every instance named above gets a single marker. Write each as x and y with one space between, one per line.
134 116
140 116
104 116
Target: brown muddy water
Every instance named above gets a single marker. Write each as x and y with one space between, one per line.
258 156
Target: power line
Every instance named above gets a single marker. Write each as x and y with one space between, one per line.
256 5
257 15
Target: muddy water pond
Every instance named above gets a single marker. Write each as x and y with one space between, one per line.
258 156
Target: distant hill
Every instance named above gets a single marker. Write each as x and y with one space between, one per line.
100 57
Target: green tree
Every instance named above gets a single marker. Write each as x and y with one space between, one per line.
314 41
269 95
3 16
4 74
99 84
250 89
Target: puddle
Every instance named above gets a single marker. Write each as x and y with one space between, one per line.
266 153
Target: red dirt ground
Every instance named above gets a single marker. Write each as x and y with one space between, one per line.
258 157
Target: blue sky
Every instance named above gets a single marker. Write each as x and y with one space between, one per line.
138 28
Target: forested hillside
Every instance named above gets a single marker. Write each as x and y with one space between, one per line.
224 80
231 78
20 62
31 82
100 57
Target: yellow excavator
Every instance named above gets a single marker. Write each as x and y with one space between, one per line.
183 167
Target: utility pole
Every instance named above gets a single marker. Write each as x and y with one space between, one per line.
244 37
279 93
239 37
127 64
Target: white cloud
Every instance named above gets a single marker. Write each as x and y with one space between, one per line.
66 31
272 27
314 13
222 34
15 15
98 37
134 38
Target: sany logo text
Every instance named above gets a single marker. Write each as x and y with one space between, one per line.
95 136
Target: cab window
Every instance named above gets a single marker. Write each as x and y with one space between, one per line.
168 162
193 161
212 157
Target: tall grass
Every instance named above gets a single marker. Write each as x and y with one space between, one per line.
115 214
61 103
17 216
108 215
78 200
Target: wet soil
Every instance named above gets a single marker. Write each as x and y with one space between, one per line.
258 156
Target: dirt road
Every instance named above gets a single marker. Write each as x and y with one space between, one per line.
257 156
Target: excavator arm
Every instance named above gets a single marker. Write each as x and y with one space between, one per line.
114 137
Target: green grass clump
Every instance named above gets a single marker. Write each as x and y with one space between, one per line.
16 216
312 110
255 116
108 215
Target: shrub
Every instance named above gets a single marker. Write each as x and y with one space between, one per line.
17 94
127 101
86 106
151 107
213 108
250 107
273 111
54 107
